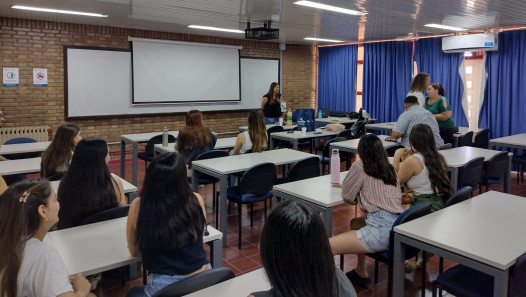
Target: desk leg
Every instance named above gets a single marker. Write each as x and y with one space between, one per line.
123 158
134 162
295 144
507 176
223 183
398 265
274 200
500 284
327 219
216 253
454 178
195 182
271 145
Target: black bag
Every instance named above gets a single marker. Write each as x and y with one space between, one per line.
325 112
354 115
337 113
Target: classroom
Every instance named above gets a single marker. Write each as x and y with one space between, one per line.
321 59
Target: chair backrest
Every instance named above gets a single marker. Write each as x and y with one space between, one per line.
482 139
346 134
517 285
471 172
18 140
209 155
258 179
497 166
414 212
272 130
446 146
306 168
462 194
391 151
108 214
196 282
327 146
466 139
158 139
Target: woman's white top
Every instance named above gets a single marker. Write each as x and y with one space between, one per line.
420 184
420 96
247 145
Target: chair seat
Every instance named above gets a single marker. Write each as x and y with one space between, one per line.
145 156
233 194
484 178
465 281
282 180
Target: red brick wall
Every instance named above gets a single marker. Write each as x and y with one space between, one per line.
28 44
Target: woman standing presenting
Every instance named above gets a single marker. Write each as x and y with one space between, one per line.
271 104
418 86
438 105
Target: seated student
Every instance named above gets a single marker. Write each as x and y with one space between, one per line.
166 225
3 185
373 184
88 187
56 158
414 114
255 138
28 266
297 257
194 139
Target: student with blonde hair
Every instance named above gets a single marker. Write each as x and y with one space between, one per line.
255 138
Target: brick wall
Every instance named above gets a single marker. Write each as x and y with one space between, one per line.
28 44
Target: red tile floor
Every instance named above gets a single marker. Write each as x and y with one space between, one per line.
247 258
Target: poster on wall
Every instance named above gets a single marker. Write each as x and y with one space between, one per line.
11 78
39 77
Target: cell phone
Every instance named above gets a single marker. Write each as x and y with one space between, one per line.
317 133
290 131
392 140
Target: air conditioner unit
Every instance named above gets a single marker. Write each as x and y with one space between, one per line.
470 43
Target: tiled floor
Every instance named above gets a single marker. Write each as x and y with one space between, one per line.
247 259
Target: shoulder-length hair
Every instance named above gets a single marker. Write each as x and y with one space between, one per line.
20 221
296 253
374 158
423 141
419 82
87 187
194 134
170 215
440 88
270 93
257 131
59 152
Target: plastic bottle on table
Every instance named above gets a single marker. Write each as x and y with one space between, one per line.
289 117
165 137
320 115
335 167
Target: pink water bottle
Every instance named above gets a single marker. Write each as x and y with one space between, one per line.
335 167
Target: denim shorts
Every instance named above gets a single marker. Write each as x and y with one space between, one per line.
159 281
269 121
374 237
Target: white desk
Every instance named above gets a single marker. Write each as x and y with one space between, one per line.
20 148
316 191
514 141
351 146
335 120
20 166
98 247
222 167
484 233
127 187
459 156
221 143
461 132
135 139
380 126
285 127
240 286
297 135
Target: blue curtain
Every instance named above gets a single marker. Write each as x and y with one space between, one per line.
443 68
337 77
504 106
386 78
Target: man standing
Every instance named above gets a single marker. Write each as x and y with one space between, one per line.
414 114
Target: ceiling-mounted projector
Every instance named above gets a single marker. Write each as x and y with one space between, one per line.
261 33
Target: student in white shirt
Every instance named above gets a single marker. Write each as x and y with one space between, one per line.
28 266
418 86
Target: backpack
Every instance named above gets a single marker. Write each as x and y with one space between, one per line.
305 118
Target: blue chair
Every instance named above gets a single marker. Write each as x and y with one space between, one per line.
494 171
254 186
471 173
482 139
325 157
303 169
467 282
13 178
149 152
520 160
466 139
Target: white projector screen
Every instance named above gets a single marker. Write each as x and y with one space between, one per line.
179 72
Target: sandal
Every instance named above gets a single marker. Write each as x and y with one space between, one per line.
358 280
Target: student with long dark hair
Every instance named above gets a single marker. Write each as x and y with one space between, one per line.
271 104
28 266
297 257
88 187
373 184
166 224
194 139
58 155
255 138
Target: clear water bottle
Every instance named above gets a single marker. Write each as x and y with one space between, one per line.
320 115
335 167
165 137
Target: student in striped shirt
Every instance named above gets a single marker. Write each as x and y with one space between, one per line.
373 184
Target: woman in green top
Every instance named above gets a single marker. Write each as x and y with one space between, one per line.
438 105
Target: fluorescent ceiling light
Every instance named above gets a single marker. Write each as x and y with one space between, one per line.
329 7
59 11
216 29
444 27
324 40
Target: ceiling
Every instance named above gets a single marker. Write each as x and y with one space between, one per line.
386 19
